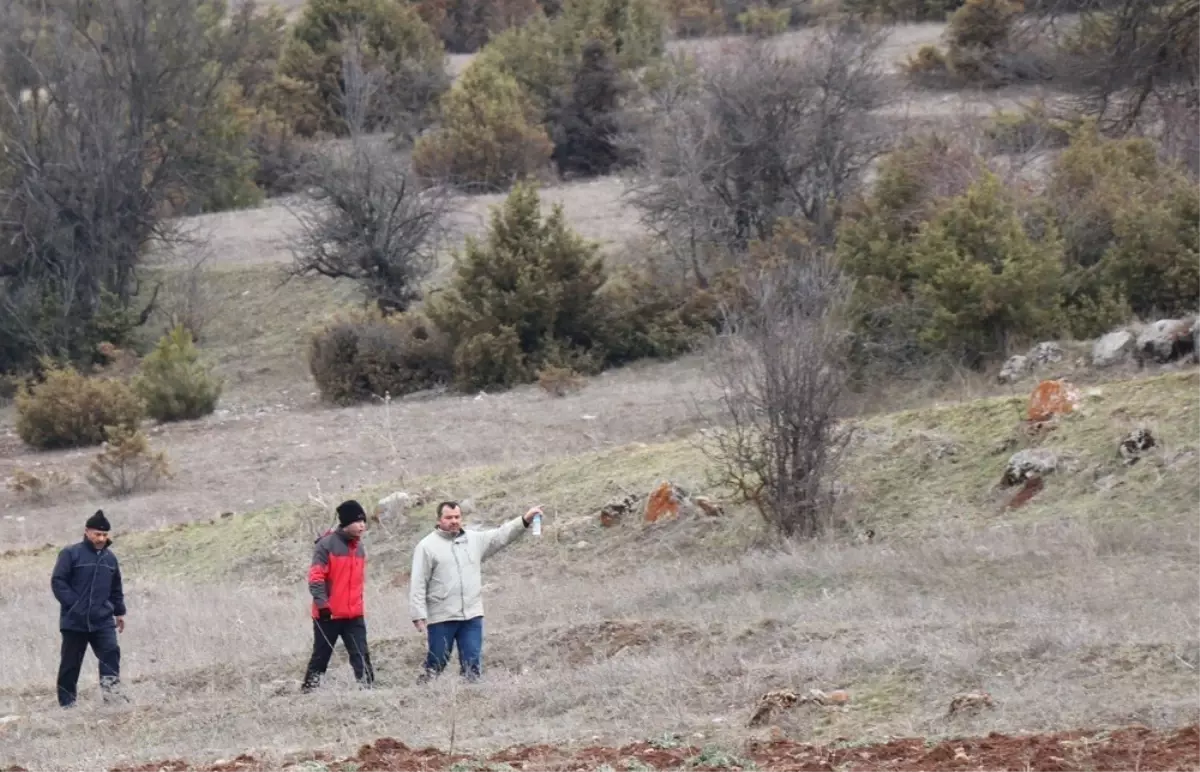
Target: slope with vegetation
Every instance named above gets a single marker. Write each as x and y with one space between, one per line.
1073 610
958 568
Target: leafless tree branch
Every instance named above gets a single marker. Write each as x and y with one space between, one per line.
781 369
757 137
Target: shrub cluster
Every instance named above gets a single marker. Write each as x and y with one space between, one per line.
531 302
174 384
357 357
979 49
65 408
549 89
127 464
949 260
903 10
68 409
398 51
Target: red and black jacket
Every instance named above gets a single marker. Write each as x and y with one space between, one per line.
337 576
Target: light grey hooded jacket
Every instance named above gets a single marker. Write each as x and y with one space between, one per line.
446 583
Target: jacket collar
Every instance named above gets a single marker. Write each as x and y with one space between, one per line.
345 536
87 544
447 535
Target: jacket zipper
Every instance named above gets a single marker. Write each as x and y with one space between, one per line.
462 590
92 589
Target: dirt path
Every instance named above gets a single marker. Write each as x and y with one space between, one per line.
1131 748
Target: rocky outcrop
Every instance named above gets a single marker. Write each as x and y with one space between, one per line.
395 506
1021 365
1052 398
1167 340
1113 348
1031 462
1135 444
615 511
667 501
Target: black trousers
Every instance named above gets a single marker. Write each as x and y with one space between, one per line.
74 646
353 633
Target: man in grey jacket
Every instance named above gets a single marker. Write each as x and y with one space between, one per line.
445 595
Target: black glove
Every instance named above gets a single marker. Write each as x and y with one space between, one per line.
325 614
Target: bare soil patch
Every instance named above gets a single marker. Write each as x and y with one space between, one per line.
1095 750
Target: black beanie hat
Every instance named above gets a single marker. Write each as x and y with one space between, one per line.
98 522
350 512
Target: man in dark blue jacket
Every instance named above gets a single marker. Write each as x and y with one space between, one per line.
87 584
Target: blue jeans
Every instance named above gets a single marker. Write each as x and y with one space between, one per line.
468 634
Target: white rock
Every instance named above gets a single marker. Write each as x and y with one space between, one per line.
1014 369
1112 349
1046 353
1159 341
1028 463
395 505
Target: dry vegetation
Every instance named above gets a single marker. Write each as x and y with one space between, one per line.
1077 609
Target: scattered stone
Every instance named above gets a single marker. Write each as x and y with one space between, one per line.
1052 398
783 699
667 501
708 506
1167 340
396 505
613 512
1031 462
1135 443
1016 368
970 702
1045 353
1113 348
226 514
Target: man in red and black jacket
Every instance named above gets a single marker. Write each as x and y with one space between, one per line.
336 580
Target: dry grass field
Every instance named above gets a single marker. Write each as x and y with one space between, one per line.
1078 610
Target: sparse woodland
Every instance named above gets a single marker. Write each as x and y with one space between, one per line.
819 243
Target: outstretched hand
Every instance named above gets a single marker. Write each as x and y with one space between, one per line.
528 516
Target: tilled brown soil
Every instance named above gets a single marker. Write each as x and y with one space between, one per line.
1123 749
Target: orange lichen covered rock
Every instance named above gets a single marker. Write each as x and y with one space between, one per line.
1052 398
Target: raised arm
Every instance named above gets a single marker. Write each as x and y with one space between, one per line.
497 539
60 580
418 584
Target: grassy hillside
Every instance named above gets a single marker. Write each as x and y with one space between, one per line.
909 473
1077 609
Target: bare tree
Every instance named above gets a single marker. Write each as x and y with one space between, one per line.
781 369
112 114
368 218
1133 61
759 136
